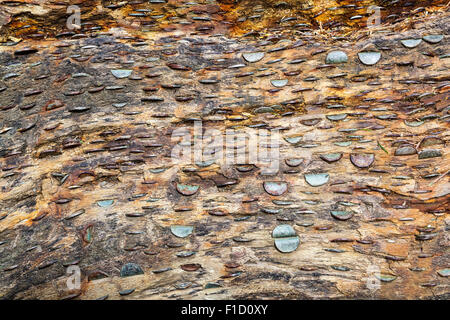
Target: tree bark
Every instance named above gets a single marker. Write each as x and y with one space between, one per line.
92 119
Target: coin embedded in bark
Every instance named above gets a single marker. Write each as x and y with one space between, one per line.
414 123
341 215
336 117
331 157
130 269
25 51
185 254
253 56
217 213
121 73
279 83
405 151
105 203
386 277
310 122
411 43
294 162
275 188
317 179
293 140
336 57
430 153
444 272
433 38
126 292
75 214
191 267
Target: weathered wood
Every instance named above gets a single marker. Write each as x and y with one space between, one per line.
90 119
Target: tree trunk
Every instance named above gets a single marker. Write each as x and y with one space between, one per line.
326 124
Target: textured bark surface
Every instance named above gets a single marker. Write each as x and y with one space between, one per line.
87 176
